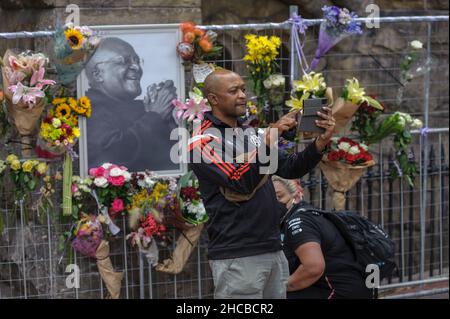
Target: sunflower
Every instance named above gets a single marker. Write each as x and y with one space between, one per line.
73 119
76 107
59 100
85 102
75 38
63 111
88 112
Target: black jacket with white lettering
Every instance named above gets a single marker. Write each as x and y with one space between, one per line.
251 227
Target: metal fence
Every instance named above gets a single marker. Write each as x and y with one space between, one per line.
32 266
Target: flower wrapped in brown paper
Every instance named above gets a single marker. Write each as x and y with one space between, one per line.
186 243
343 112
111 278
342 177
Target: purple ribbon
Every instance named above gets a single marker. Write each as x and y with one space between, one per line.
424 131
298 26
399 170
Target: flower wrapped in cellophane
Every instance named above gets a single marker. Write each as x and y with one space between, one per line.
261 54
59 130
88 234
25 88
74 45
338 24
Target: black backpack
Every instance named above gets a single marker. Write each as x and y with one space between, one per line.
369 242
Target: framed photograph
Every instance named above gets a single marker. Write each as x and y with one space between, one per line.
131 80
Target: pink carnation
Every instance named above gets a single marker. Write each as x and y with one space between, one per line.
97 172
116 180
117 205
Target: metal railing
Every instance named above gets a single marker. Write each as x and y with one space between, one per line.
30 265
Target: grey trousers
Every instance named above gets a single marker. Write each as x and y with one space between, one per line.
254 277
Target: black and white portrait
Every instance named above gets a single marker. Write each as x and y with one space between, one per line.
131 80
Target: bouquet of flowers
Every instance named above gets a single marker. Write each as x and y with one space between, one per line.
399 125
413 64
112 186
25 175
87 234
25 87
353 96
73 47
312 85
88 240
261 54
274 85
80 189
364 120
345 162
189 215
338 24
59 130
196 46
143 238
191 205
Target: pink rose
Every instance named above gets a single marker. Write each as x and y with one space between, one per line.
74 188
97 172
117 205
116 180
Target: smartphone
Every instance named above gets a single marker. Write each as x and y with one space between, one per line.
310 108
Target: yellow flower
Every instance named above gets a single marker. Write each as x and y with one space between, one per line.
297 104
63 111
88 112
15 165
42 168
74 38
85 102
355 93
27 166
11 158
59 100
76 132
311 82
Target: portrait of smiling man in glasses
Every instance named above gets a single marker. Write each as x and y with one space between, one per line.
123 129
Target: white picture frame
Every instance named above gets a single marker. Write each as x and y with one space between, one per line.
156 47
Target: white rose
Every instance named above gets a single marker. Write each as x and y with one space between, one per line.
364 146
116 172
353 150
416 44
101 182
416 123
56 122
268 83
344 146
127 176
106 165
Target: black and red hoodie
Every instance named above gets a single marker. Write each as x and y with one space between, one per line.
251 227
